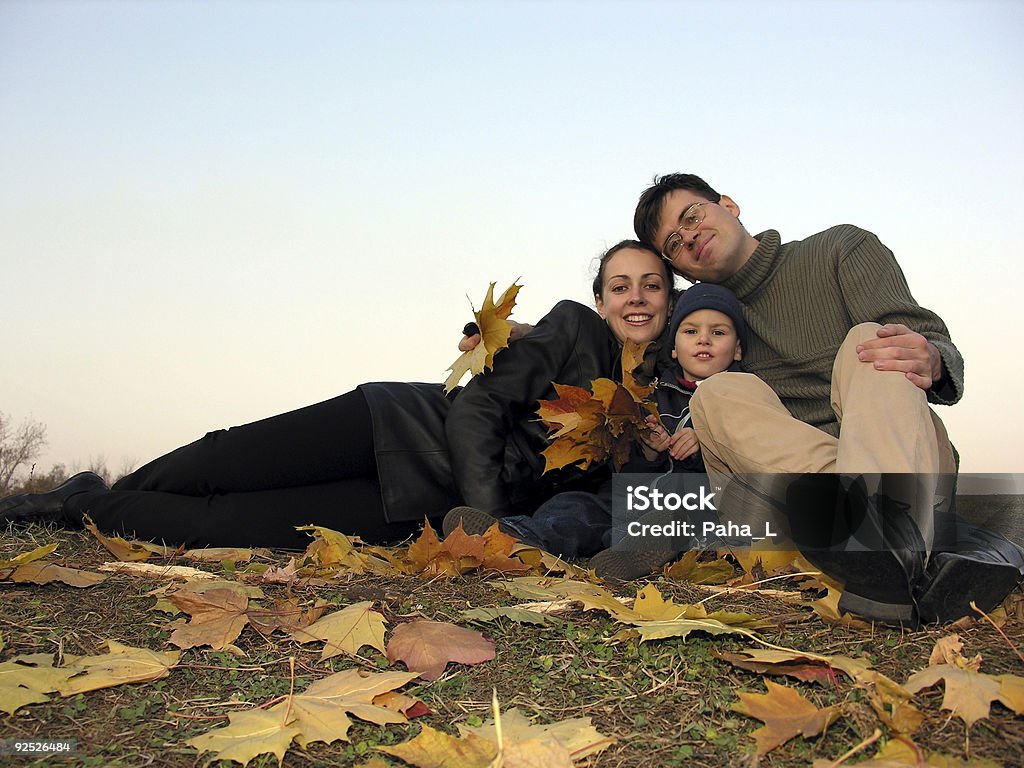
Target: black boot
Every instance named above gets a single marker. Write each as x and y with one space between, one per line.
48 507
866 541
984 569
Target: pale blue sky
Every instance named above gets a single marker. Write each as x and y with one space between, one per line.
214 212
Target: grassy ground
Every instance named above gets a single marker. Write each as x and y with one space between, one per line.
667 702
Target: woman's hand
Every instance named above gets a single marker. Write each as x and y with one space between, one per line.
656 439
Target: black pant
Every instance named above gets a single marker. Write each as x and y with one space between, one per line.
251 485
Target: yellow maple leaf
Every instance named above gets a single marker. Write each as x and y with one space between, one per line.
320 710
785 714
248 735
27 679
345 631
492 320
436 749
969 694
576 736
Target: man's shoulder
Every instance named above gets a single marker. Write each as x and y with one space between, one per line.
839 236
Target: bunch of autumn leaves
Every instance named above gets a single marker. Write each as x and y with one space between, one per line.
584 426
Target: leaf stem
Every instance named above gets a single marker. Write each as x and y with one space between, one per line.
997 629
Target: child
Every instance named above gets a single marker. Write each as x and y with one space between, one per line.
707 333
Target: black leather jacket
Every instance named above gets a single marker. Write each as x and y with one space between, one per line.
481 445
494 435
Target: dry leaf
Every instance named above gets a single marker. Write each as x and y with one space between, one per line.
126 551
969 695
122 664
286 575
436 749
320 713
27 679
248 735
806 667
218 618
689 569
461 553
320 710
517 613
220 554
331 551
346 631
492 320
41 572
426 647
27 557
947 651
828 609
785 714
579 738
151 570
286 615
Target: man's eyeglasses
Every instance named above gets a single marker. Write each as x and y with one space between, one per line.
692 217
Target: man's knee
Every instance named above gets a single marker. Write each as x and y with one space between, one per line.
861 333
722 389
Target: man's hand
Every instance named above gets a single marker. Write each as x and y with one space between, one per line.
898 348
471 334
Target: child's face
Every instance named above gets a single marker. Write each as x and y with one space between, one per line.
706 344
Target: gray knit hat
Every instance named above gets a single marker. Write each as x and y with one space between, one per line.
708 296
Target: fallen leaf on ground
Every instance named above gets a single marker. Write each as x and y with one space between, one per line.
806 667
492 320
345 631
969 695
42 572
320 713
218 618
461 552
688 569
517 613
248 735
126 551
426 647
284 575
577 735
122 664
27 557
436 749
947 650
828 609
154 571
220 554
785 714
27 679
331 551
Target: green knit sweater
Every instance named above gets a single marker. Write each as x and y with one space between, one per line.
802 298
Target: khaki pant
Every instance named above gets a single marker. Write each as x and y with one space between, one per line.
886 427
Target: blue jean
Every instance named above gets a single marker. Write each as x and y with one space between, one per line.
570 524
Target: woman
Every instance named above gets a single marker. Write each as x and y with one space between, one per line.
375 461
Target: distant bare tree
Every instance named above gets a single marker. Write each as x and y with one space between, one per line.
18 446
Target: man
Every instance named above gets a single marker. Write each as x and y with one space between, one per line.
801 301
844 364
